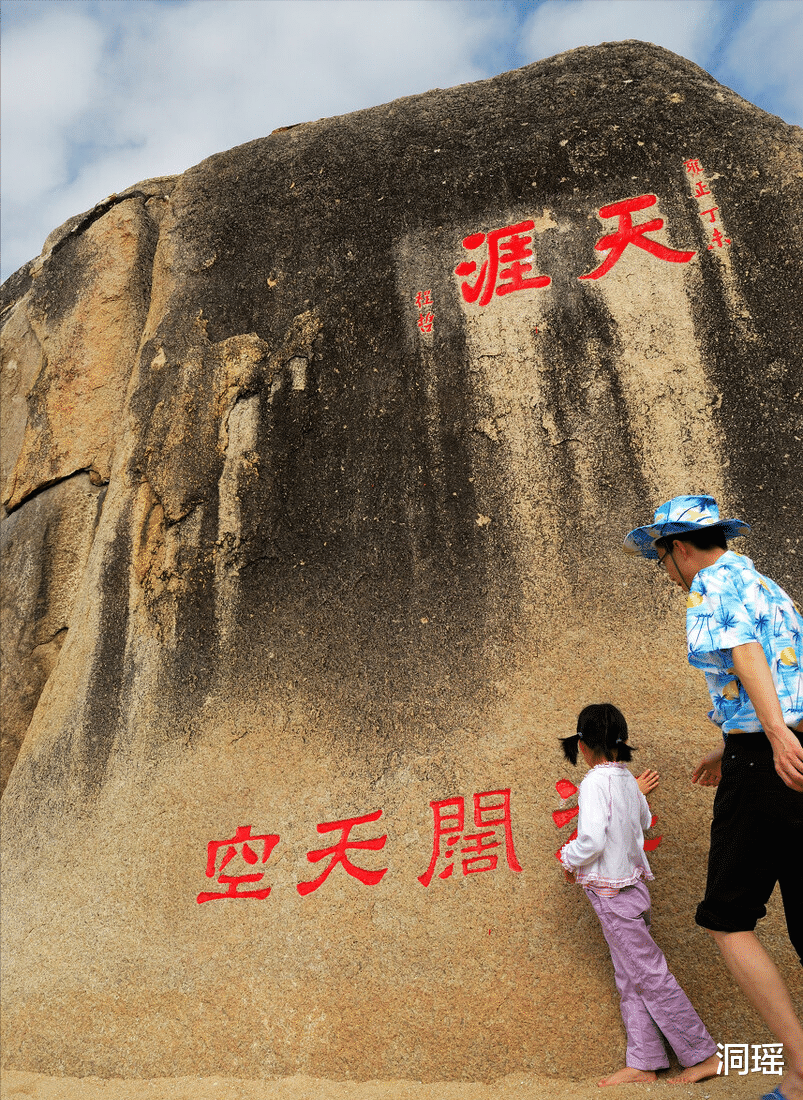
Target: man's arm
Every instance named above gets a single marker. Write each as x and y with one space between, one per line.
754 673
709 771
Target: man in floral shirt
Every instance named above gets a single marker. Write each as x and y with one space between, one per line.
746 635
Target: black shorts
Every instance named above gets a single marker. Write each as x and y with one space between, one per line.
756 842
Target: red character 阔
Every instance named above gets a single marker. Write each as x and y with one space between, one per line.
627 233
476 848
506 266
240 844
338 853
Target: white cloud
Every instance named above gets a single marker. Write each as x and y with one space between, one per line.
147 89
99 95
49 79
684 26
764 57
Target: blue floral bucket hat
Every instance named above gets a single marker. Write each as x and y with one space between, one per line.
676 517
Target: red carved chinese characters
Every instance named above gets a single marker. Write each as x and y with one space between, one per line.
700 190
505 269
239 844
338 853
566 789
627 233
449 824
426 316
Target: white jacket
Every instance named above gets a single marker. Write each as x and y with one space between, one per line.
609 847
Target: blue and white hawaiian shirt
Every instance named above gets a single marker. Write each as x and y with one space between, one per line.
730 603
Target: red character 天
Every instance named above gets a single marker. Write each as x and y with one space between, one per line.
240 844
615 243
506 265
338 853
449 824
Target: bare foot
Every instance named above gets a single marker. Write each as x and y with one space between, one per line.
791 1085
628 1076
700 1072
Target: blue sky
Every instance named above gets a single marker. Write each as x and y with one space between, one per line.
99 94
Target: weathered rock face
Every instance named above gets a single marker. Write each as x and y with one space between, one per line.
317 463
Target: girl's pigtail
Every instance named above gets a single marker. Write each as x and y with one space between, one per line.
616 735
624 752
569 746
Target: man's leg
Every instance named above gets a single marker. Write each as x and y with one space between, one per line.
766 990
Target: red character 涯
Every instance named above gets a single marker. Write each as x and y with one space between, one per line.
338 853
449 825
240 844
627 233
506 266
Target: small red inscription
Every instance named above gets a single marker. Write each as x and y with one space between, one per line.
717 240
426 315
701 191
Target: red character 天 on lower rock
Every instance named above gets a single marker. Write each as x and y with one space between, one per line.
338 853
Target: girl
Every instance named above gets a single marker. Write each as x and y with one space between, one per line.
607 859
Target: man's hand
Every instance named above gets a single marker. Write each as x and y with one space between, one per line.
787 752
709 771
752 669
647 781
570 876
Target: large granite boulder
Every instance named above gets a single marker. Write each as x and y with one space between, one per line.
317 464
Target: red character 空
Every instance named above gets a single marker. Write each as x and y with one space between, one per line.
240 844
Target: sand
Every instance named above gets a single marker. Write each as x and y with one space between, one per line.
19 1085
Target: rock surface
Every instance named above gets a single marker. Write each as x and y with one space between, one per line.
310 520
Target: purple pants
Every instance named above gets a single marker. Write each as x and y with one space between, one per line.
652 1002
